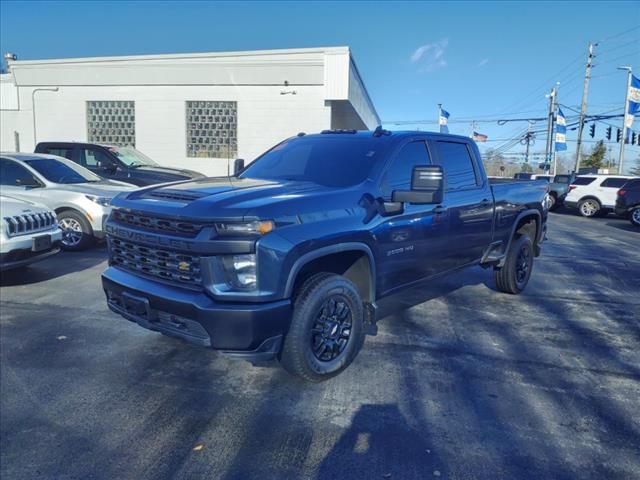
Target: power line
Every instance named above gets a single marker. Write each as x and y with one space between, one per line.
616 35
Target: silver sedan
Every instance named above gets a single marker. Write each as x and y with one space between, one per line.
81 199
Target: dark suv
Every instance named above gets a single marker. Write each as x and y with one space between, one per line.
117 163
628 201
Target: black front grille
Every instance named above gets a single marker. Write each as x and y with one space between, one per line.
29 223
157 223
175 267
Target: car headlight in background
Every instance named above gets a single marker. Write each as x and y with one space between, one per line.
258 227
240 271
104 201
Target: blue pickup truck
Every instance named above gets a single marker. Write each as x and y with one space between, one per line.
291 257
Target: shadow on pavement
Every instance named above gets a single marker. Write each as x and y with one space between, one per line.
58 265
379 443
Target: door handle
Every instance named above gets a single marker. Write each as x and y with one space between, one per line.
439 209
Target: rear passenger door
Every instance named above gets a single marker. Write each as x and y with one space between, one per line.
468 200
608 189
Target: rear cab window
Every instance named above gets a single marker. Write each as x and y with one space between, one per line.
458 165
64 152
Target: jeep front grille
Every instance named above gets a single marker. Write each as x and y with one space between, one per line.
29 223
156 223
174 267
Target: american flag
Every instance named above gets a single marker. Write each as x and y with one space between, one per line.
479 137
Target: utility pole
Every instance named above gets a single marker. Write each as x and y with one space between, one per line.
624 120
552 109
526 155
583 105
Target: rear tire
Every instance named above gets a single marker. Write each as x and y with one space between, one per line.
634 217
77 233
553 203
514 275
589 207
327 328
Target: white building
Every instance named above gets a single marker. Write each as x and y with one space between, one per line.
198 111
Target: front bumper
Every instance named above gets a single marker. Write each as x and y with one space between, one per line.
18 251
249 331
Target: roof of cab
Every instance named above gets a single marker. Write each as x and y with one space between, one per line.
389 134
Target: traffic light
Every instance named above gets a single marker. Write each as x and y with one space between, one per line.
592 130
618 135
608 133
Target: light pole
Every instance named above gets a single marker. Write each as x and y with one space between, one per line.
33 108
624 120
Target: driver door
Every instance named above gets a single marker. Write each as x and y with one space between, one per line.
410 245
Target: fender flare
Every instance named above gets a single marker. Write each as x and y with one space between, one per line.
328 250
539 232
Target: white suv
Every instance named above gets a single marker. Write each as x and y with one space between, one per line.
29 233
594 195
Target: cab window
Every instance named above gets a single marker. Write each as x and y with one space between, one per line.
398 176
457 165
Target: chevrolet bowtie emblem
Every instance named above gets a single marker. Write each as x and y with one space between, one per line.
184 266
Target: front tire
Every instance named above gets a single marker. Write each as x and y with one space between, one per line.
634 217
327 328
589 208
77 233
514 276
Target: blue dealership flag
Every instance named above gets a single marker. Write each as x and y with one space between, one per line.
634 101
443 120
561 131
634 95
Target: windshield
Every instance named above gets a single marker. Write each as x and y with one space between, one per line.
62 171
131 157
331 160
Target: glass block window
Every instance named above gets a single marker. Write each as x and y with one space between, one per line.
212 129
112 122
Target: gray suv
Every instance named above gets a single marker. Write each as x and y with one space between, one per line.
81 199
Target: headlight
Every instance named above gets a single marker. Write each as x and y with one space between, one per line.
240 271
245 228
104 201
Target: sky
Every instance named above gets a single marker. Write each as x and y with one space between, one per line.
482 60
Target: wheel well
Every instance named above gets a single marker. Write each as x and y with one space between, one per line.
352 264
528 225
59 210
553 194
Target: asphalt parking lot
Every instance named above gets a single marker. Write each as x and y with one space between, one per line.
460 382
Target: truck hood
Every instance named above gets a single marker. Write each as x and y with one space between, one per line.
225 197
167 174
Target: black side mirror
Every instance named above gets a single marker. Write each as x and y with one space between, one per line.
107 166
427 186
28 182
238 166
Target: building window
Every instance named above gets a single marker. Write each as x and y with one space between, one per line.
212 129
111 122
